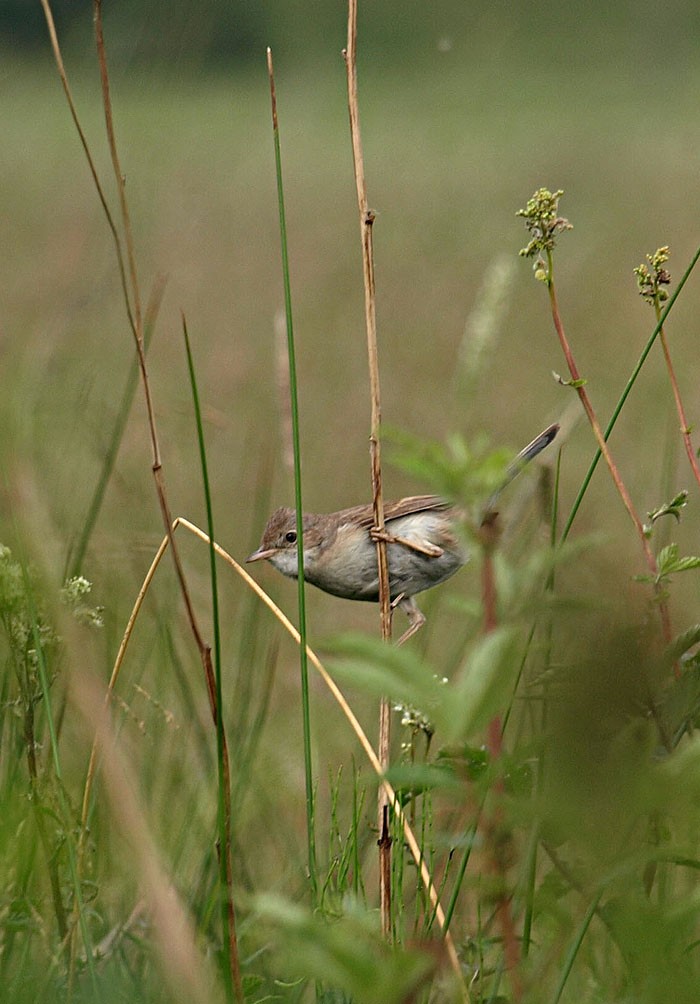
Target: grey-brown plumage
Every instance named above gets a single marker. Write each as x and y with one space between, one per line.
340 554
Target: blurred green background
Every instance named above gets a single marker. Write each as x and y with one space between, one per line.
465 110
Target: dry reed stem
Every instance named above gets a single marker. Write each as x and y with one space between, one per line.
53 37
336 693
366 231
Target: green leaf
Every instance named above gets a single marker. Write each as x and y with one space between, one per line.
681 644
672 508
669 562
348 953
680 705
412 779
684 564
389 671
485 685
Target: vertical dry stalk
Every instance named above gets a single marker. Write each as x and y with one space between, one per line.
366 224
137 328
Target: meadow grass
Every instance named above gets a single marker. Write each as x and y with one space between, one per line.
588 817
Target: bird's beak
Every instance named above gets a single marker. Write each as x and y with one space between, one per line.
261 554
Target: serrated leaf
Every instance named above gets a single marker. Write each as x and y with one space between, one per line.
669 562
680 705
684 564
666 558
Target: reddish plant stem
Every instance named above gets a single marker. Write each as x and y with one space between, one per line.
607 456
685 427
497 836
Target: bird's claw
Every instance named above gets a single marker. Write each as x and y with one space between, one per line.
422 547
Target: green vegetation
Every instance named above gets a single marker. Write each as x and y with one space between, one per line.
544 758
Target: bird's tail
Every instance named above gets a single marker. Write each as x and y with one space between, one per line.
527 454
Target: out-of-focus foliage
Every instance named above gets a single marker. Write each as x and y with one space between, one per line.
226 30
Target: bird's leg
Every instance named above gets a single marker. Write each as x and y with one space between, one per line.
424 547
416 618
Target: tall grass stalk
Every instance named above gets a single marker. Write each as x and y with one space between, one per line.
652 282
496 828
232 975
301 593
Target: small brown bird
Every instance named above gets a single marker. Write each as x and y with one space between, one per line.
340 554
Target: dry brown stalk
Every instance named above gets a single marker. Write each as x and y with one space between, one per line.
366 229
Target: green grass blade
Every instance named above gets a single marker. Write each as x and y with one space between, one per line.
303 665
43 675
224 804
575 946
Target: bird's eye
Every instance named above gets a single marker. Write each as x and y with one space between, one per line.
291 537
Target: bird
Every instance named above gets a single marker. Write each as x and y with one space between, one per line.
423 544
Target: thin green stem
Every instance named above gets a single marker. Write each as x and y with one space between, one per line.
232 970
625 394
43 675
303 664
576 945
664 612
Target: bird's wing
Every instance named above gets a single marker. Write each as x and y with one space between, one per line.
363 515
